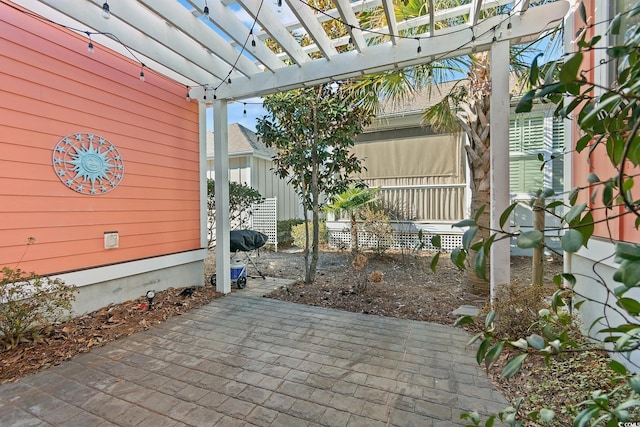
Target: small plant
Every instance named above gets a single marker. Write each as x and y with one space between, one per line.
516 308
378 229
360 278
28 303
376 277
298 234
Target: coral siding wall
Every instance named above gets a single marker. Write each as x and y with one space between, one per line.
51 87
622 229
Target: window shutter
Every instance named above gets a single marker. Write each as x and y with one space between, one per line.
533 132
526 135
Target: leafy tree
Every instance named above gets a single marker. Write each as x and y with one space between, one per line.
609 119
312 130
352 201
241 199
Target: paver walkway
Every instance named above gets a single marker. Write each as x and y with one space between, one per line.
248 360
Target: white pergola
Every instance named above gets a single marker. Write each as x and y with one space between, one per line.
224 56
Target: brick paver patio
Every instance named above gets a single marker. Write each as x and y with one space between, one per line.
248 360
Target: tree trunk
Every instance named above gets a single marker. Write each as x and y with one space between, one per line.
475 121
538 253
315 207
354 234
306 240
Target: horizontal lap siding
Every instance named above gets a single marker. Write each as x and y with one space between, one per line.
617 223
50 87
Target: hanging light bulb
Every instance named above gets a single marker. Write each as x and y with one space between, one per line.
142 72
509 27
253 38
90 45
229 80
244 112
188 97
279 6
419 50
206 9
106 12
214 94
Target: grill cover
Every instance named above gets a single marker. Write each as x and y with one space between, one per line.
247 240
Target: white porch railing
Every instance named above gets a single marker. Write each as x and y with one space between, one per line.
426 208
424 203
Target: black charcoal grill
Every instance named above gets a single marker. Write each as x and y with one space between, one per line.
244 245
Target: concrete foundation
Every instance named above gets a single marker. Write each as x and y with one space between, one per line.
99 287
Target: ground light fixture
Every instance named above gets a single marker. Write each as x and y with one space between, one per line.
150 295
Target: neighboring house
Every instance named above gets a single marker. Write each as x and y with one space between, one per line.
100 168
594 266
250 163
423 175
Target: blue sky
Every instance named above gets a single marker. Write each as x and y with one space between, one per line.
235 113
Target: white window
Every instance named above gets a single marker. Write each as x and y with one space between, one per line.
534 136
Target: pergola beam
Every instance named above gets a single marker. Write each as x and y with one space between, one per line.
390 15
449 43
474 12
194 30
136 39
228 22
349 17
313 27
270 23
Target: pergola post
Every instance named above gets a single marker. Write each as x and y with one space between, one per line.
221 175
204 215
499 115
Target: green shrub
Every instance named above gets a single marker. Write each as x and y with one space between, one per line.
28 303
298 234
284 231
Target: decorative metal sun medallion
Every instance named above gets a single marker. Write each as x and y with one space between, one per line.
88 163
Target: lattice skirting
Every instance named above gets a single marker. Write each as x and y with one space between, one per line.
264 219
400 240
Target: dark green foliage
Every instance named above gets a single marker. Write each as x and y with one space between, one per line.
241 200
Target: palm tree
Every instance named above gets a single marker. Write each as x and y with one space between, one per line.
351 201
